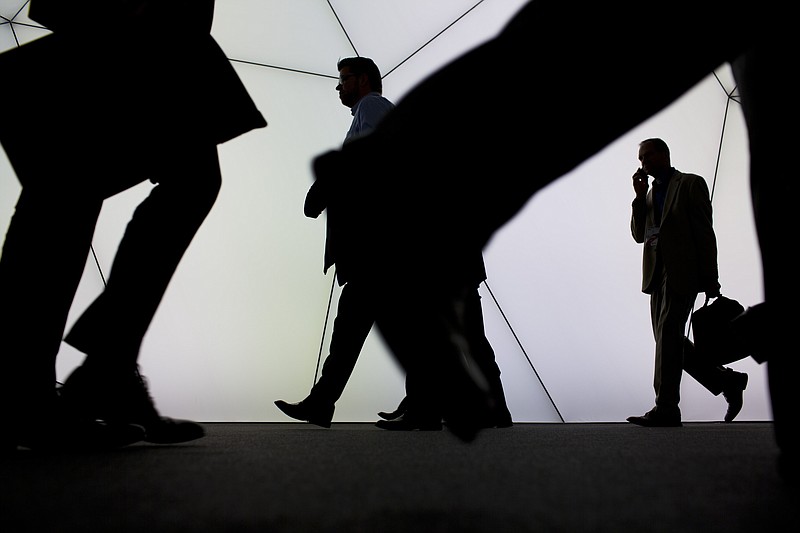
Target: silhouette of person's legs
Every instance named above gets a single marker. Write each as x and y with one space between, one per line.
711 376
717 379
115 120
355 316
425 383
111 330
414 410
44 255
669 312
425 330
108 385
414 413
485 358
353 322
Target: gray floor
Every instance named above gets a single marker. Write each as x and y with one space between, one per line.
355 477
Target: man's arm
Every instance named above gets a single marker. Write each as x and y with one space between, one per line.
316 199
639 206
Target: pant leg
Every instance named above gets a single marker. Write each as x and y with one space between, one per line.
669 312
354 319
483 356
416 340
707 373
482 351
111 330
415 403
425 330
43 259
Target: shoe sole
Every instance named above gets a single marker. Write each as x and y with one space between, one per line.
650 424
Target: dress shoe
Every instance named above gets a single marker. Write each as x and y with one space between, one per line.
652 419
49 426
122 398
733 393
319 415
406 422
397 413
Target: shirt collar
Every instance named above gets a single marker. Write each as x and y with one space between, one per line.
664 180
355 107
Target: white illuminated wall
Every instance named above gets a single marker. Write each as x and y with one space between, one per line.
241 324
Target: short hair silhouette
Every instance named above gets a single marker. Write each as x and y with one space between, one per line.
363 65
660 144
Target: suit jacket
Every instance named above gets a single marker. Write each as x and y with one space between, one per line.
367 113
686 244
148 76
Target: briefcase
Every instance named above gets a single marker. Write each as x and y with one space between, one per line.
714 336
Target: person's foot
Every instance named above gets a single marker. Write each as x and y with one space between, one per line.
319 415
652 419
47 425
733 393
407 422
397 413
123 398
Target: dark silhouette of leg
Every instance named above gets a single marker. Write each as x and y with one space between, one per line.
413 411
43 259
354 319
669 312
108 384
717 379
119 119
155 240
413 414
485 358
425 330
355 316
44 255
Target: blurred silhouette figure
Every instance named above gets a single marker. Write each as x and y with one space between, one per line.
360 88
592 83
119 93
673 221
